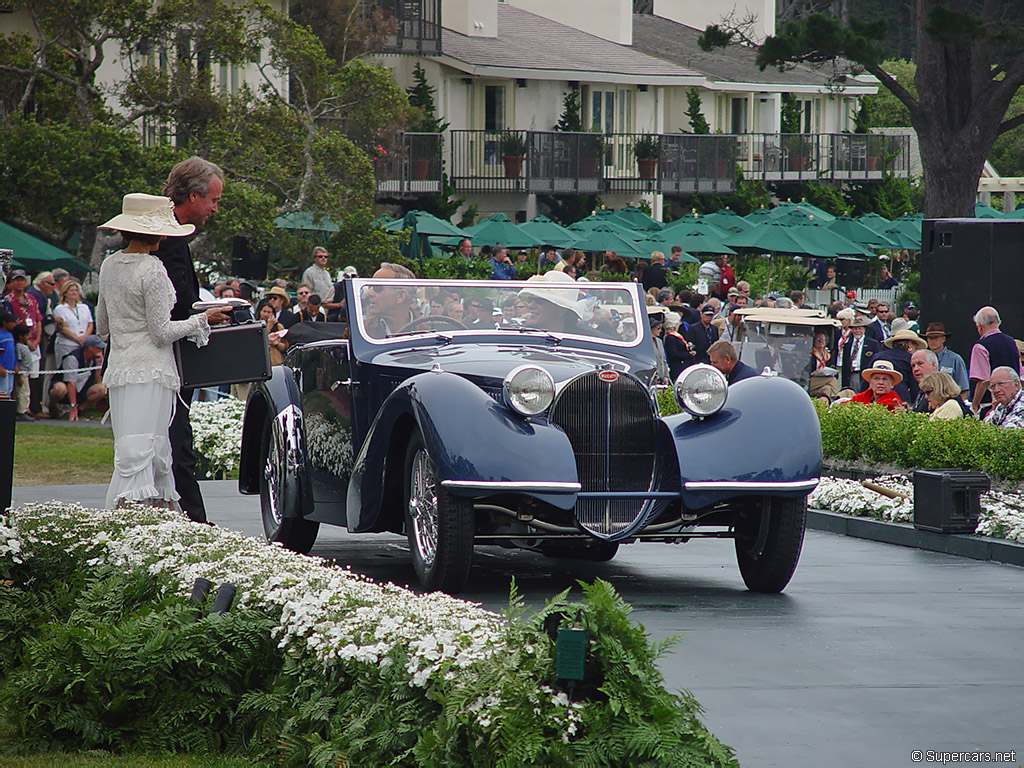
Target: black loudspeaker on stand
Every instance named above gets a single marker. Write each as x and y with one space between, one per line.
8 410
967 264
247 263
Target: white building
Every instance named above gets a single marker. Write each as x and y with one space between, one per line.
500 66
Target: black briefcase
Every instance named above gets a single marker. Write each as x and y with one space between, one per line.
235 354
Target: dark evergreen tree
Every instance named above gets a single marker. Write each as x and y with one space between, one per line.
698 123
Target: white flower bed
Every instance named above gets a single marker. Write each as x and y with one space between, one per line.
1002 514
217 432
329 612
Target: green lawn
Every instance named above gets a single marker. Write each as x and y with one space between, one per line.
57 454
107 760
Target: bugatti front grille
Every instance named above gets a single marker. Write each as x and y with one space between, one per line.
611 426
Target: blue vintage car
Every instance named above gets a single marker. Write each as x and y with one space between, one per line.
521 414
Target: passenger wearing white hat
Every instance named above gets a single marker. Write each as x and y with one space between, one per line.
882 378
551 308
136 297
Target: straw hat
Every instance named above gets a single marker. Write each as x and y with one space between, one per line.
566 298
861 321
277 290
882 366
906 335
148 215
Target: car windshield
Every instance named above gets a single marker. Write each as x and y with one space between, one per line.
605 311
783 347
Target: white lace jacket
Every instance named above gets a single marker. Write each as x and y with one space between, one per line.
134 307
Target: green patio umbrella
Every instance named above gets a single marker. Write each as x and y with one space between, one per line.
701 242
35 255
819 234
728 220
853 230
1015 214
909 226
759 216
875 221
634 218
776 237
425 227
500 230
585 226
606 237
808 208
549 232
688 224
982 211
653 241
316 222
903 239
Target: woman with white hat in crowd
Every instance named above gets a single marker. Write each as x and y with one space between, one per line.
134 307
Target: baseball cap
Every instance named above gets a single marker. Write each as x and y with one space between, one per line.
708 310
94 341
17 273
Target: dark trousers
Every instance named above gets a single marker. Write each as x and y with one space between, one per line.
184 459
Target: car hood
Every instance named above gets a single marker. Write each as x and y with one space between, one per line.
494 361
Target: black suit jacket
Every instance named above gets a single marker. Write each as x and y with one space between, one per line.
700 340
868 351
177 260
654 277
287 318
875 331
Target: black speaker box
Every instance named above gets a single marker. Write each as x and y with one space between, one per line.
850 272
247 263
967 264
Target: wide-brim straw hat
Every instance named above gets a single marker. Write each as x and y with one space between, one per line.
906 335
148 215
882 366
277 290
566 298
861 321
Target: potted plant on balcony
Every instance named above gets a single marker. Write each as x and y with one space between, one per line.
799 149
513 151
646 150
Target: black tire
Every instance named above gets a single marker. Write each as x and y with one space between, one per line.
281 499
438 524
595 551
769 537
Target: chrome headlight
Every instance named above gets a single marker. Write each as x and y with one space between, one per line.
701 389
528 390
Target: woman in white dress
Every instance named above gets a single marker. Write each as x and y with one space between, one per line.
76 321
134 307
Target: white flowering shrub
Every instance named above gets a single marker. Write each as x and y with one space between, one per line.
352 672
217 434
1002 514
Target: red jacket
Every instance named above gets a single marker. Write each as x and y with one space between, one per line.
890 399
727 280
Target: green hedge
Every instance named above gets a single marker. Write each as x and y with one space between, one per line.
97 654
870 433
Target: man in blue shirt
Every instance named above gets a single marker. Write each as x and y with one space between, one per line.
8 355
501 265
949 361
723 356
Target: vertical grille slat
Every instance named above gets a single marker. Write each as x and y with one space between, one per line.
611 427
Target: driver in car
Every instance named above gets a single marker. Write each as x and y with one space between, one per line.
389 308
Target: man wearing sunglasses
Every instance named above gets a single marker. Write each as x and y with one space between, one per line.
388 307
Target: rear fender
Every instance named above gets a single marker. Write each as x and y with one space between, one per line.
766 440
478 446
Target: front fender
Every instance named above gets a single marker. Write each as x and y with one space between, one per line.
479 447
766 440
267 399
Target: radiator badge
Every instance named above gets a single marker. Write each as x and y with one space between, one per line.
609 377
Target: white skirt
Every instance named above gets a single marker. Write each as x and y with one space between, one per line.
140 415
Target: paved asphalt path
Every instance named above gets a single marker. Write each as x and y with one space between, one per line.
873 651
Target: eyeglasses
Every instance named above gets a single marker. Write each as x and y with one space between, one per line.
1001 384
303 293
379 288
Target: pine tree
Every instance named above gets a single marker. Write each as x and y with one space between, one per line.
698 123
421 96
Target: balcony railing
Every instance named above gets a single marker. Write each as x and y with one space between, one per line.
563 163
417 25
411 167
822 156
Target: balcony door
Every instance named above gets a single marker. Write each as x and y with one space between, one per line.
611 110
490 113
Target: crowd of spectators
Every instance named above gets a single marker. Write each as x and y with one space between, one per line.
875 356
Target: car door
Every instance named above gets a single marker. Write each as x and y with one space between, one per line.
326 397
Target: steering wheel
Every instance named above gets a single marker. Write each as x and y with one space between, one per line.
441 321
